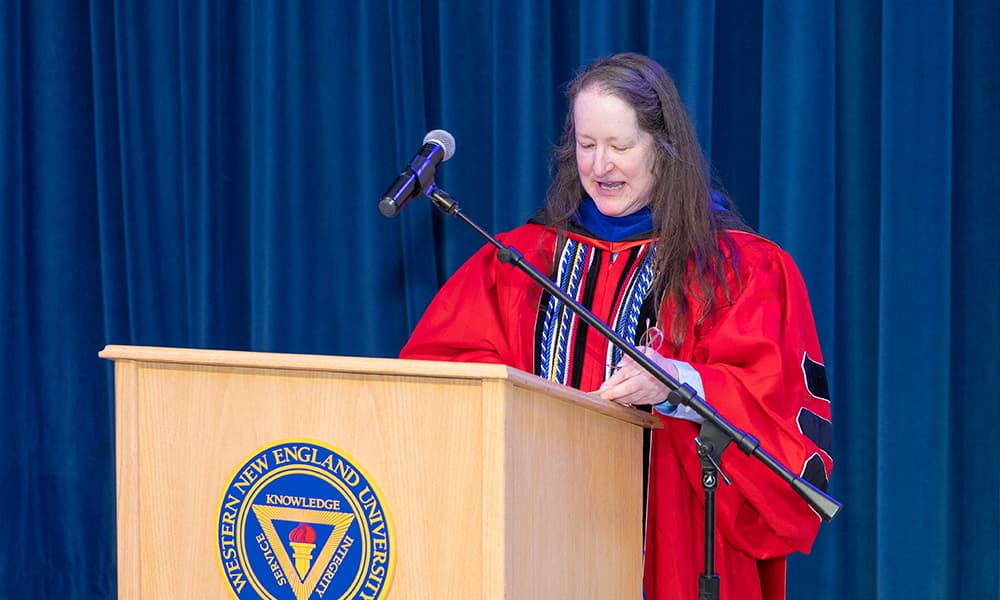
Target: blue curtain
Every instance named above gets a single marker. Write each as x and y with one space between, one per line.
205 174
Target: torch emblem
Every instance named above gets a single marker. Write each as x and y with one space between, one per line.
303 540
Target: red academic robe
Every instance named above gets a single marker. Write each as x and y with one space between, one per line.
760 365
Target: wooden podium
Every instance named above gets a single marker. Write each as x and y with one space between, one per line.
498 484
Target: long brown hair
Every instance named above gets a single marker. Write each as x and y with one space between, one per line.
688 228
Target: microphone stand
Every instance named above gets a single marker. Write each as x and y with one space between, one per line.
716 432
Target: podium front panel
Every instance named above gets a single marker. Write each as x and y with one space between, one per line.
495 488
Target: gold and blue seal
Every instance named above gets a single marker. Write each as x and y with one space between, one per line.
301 521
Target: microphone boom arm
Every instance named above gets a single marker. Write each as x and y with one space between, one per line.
825 506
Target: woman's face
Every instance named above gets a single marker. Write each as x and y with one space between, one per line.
615 158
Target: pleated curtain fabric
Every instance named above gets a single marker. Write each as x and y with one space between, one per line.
205 174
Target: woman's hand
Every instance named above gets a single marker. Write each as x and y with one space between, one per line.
632 385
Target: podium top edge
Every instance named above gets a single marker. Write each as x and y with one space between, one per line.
371 366
305 362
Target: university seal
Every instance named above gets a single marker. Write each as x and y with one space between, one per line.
301 521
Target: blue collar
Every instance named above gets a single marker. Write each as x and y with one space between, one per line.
613 229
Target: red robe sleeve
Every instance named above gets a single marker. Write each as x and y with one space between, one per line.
485 312
762 369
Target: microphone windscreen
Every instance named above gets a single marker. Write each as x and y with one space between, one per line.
444 139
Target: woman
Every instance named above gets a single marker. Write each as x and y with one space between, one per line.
633 231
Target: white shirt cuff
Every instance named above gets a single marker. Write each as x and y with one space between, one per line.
689 375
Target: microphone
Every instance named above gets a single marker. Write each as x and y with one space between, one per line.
439 146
